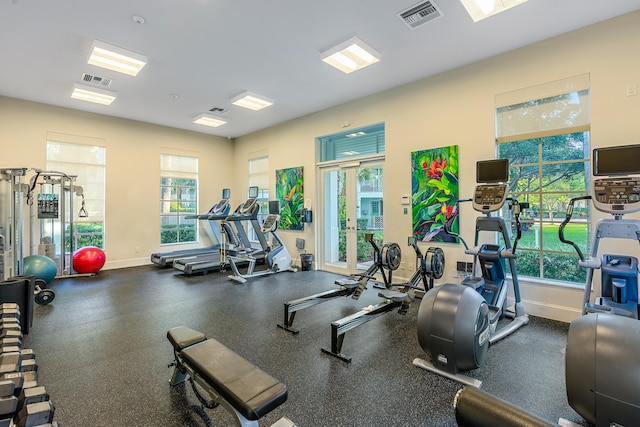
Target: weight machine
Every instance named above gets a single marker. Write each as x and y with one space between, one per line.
50 198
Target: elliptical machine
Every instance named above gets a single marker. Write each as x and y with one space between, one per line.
457 322
602 363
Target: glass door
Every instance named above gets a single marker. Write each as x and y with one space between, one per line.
352 207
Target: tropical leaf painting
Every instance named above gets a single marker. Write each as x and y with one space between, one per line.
434 182
290 194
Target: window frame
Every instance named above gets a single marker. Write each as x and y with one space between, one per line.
178 214
93 193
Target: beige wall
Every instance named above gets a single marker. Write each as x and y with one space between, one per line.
457 107
133 168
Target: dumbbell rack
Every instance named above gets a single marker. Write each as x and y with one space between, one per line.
23 402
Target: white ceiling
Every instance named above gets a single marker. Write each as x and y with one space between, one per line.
204 52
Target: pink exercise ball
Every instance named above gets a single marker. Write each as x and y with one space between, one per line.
89 259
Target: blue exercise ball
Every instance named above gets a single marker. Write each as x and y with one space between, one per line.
42 267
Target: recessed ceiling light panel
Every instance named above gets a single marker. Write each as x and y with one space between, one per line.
116 58
481 9
92 94
210 120
252 101
351 55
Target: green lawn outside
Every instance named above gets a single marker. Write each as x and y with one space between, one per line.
576 232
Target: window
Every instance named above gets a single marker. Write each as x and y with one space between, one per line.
365 141
547 142
178 199
87 161
259 177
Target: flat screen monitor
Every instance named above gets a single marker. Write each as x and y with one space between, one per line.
253 192
622 160
274 207
226 193
488 171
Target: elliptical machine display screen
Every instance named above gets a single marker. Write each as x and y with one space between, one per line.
489 197
492 171
618 195
492 175
616 161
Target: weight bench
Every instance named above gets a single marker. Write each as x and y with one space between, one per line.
242 388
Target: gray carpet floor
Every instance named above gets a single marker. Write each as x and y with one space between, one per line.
102 352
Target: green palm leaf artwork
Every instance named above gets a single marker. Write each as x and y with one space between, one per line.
434 193
290 194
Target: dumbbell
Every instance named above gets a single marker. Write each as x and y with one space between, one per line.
15 362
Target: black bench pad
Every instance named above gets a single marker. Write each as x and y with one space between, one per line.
181 337
253 392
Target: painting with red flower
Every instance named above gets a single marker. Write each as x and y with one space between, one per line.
434 182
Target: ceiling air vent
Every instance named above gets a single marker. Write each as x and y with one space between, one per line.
95 80
420 14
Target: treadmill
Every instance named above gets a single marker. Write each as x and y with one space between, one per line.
166 259
238 241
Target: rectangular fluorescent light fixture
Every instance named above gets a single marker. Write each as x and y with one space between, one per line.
209 120
351 55
90 94
252 101
481 9
116 58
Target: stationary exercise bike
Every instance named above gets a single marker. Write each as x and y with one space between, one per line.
602 363
458 322
276 257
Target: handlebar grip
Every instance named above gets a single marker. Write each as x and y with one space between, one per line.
508 254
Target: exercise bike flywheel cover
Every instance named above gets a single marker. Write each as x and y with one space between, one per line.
435 262
391 256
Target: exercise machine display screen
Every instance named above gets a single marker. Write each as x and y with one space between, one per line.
489 197
490 171
270 222
616 161
617 195
253 192
274 207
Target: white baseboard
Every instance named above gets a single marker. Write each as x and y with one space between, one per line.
550 311
133 262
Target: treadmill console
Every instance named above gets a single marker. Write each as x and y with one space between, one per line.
220 207
617 195
247 206
489 197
